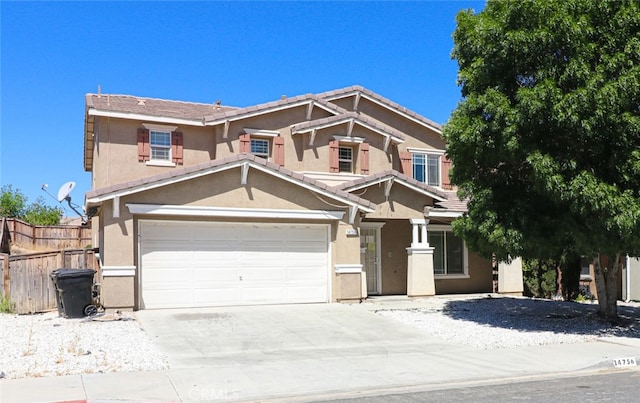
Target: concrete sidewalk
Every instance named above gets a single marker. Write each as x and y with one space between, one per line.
328 365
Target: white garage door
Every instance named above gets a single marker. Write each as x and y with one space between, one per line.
196 264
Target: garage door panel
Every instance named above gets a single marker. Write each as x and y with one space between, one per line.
221 296
214 274
216 264
262 274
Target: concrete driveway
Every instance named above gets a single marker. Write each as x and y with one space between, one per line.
262 352
203 337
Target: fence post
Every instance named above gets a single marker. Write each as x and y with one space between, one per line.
6 280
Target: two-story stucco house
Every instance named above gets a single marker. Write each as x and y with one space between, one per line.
315 198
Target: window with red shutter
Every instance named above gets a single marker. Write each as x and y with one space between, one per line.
176 147
245 143
446 166
143 145
406 163
278 150
334 152
364 158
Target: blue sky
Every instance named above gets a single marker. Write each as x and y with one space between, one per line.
242 53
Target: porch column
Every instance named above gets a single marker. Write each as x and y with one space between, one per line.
420 279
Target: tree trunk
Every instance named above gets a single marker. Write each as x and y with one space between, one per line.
559 290
607 287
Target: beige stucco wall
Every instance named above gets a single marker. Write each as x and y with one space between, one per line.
402 202
348 286
480 279
118 293
116 150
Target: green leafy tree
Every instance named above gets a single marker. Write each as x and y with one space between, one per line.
12 202
38 213
546 140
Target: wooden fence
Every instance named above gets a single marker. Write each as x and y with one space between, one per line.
26 277
48 237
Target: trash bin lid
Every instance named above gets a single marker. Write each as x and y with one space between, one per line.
72 273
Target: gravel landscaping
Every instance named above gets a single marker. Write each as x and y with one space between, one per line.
503 322
48 345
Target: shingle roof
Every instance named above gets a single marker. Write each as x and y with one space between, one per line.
380 176
153 107
239 112
453 204
352 90
201 169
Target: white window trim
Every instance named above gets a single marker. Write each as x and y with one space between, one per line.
349 139
160 163
435 151
261 132
465 255
159 128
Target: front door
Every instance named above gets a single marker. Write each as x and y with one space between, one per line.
370 255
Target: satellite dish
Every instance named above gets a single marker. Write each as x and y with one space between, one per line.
65 190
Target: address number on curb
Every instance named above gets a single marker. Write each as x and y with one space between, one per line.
624 362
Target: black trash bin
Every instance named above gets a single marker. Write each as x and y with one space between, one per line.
73 291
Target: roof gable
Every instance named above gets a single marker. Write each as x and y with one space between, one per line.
391 177
352 118
358 92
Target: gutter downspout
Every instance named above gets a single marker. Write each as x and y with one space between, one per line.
628 279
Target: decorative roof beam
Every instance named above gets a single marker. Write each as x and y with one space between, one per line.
244 173
350 129
309 110
387 187
353 212
313 136
387 141
225 133
116 207
356 101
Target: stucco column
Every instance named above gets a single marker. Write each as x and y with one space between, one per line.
510 277
420 279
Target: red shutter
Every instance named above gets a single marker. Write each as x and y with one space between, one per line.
446 166
245 143
334 164
176 147
364 158
278 150
143 145
406 163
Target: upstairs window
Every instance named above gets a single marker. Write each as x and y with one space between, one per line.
426 168
260 148
160 143
345 159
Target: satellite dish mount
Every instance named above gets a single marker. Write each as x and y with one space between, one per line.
64 193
